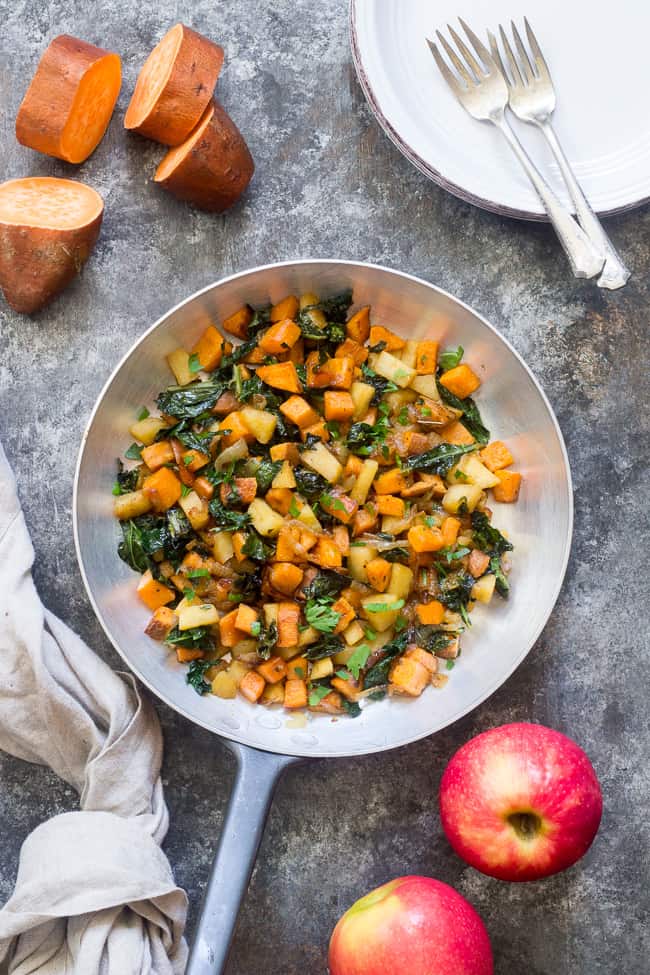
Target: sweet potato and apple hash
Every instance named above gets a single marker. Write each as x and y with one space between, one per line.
309 509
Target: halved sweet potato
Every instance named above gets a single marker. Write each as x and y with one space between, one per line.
48 228
174 86
213 167
70 100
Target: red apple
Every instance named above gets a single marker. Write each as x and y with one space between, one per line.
411 926
520 802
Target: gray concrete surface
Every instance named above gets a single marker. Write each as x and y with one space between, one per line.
330 184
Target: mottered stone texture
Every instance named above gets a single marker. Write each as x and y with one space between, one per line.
330 184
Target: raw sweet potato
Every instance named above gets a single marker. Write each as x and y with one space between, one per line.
48 228
174 86
70 100
212 168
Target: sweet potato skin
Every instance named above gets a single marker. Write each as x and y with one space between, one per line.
40 121
216 170
37 263
186 94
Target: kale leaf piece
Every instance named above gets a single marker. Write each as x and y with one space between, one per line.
471 418
327 646
326 585
490 540
265 473
125 481
380 385
196 638
188 402
438 460
266 641
377 675
195 675
310 484
147 534
256 548
432 638
226 517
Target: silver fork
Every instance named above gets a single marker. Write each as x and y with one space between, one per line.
482 91
532 99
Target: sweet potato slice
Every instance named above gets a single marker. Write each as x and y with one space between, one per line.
174 86
213 167
70 100
48 228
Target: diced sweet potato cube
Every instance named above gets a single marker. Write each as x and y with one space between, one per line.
495 456
408 676
358 327
450 528
295 693
423 657
317 375
235 429
287 542
252 686
456 433
228 632
282 375
288 619
430 614
287 308
246 618
188 460
185 654
478 563
153 593
346 613
339 405
209 348
378 572
297 352
391 482
326 553
348 688
238 542
353 596
242 491
237 324
507 490
297 668
426 358
352 349
364 520
161 623
315 430
163 489
273 670
280 337
203 488
462 381
158 454
280 499
388 504
340 372
423 539
339 506
285 577
297 410
380 334
285 451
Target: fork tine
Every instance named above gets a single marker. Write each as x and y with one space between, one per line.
448 75
456 61
467 54
478 46
496 54
526 66
512 60
540 63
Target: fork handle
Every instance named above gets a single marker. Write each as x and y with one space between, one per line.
585 258
615 274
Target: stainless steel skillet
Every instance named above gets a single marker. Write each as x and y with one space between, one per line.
265 741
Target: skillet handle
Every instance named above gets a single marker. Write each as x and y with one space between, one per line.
258 774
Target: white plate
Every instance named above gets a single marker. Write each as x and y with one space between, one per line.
597 54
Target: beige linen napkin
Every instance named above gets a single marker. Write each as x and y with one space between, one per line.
95 894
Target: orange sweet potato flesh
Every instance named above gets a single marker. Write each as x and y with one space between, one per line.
48 228
70 100
174 86
212 168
